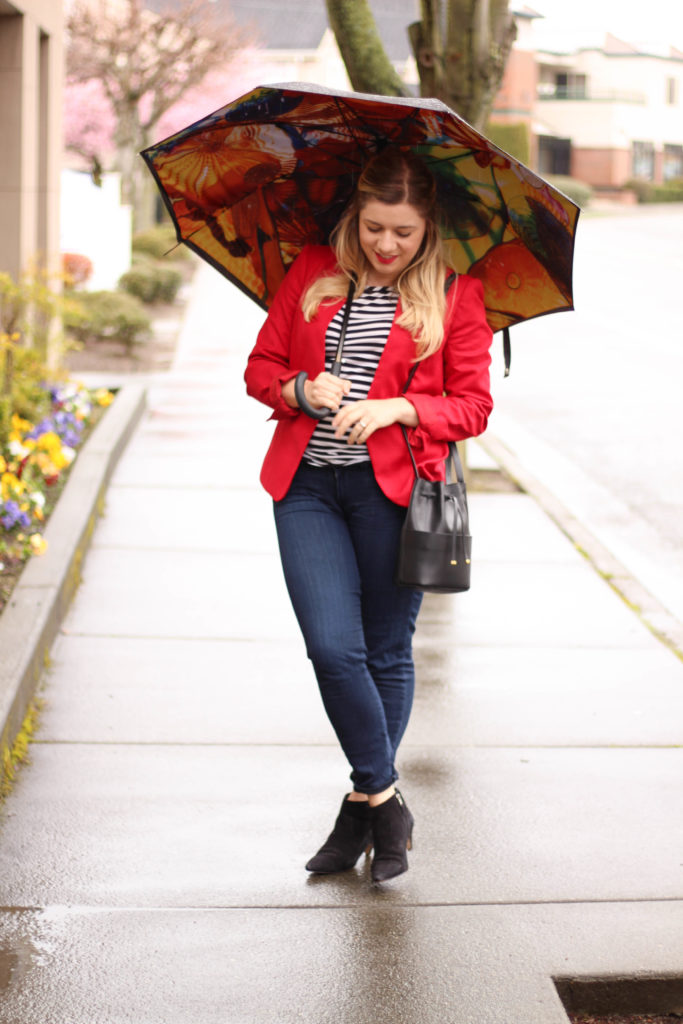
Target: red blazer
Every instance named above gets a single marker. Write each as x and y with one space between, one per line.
450 390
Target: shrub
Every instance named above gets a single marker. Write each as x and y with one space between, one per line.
169 283
669 191
29 398
141 282
23 385
151 281
512 138
158 242
641 189
649 192
109 315
29 308
578 191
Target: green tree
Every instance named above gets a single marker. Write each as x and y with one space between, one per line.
460 46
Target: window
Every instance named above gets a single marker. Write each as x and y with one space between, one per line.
643 161
672 166
554 155
672 91
570 86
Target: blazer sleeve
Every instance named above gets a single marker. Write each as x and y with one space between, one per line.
268 366
464 407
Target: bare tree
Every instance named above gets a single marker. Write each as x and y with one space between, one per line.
460 46
144 61
367 65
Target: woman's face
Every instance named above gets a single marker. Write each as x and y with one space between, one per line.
390 236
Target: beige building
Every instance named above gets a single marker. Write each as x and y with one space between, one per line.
612 114
31 75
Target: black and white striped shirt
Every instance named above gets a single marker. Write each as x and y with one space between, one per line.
370 320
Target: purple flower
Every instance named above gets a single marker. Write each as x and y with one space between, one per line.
13 516
71 438
64 424
44 427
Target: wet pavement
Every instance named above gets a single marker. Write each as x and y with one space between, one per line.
151 855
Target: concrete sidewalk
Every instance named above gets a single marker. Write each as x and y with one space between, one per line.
151 855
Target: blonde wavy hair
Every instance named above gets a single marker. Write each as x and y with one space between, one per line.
392 176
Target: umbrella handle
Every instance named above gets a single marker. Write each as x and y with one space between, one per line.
299 393
304 404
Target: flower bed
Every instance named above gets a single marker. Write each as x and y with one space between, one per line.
34 462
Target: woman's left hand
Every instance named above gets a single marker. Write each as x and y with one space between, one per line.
361 419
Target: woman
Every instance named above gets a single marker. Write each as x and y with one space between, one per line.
341 484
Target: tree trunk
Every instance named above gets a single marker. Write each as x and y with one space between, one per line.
460 46
368 67
146 190
137 185
479 36
426 38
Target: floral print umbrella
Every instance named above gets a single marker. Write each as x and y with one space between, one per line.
251 184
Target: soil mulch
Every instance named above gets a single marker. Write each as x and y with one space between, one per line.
10 573
153 355
638 1018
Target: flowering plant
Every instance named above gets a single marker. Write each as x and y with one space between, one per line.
33 457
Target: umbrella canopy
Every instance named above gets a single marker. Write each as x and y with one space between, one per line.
251 184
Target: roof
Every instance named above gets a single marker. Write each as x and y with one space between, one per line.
301 24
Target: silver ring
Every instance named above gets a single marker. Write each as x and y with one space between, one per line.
361 424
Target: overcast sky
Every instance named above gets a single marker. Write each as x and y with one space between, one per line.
657 22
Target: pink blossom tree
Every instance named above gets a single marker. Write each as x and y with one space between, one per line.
127 66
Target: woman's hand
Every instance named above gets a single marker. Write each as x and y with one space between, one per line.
361 419
326 391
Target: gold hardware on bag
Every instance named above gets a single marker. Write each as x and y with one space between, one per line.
453 561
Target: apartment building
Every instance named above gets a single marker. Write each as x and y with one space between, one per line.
604 114
611 114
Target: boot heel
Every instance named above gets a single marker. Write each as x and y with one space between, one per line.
392 832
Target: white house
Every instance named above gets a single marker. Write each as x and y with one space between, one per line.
611 114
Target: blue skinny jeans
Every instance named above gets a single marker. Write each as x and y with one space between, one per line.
338 536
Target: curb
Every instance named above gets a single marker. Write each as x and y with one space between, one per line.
33 615
651 612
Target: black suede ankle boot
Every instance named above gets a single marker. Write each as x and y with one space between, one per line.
352 833
392 835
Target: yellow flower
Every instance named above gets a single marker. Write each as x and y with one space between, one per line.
49 442
11 485
103 397
19 425
38 544
3 465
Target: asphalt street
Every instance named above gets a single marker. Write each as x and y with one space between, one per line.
593 403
